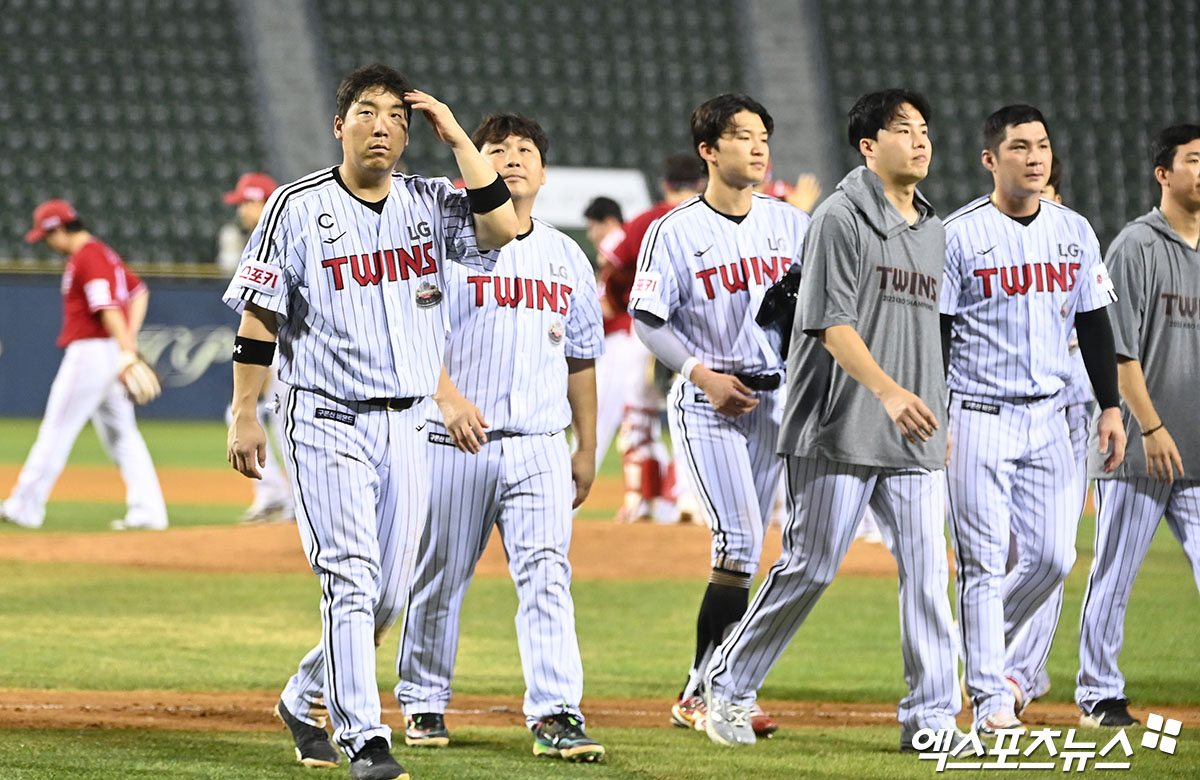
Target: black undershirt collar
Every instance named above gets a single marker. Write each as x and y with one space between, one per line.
735 218
377 206
525 235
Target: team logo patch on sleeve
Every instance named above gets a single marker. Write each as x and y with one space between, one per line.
267 279
1104 282
345 418
646 285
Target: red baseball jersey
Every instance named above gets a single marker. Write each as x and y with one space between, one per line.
94 279
617 277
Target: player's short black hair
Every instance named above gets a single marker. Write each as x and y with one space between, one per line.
1167 140
1056 174
995 127
711 118
74 226
368 76
684 171
602 208
496 127
872 112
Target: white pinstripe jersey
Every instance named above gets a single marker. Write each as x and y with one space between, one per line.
358 294
1014 290
513 328
705 275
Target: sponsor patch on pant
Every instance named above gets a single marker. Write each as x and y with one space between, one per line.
437 437
980 406
346 418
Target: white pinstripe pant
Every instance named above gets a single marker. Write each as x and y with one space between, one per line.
733 467
1128 511
522 485
1011 469
827 500
361 491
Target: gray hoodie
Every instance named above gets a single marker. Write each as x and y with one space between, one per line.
1156 320
866 267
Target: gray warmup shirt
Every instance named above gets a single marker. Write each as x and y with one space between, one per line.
866 267
1156 320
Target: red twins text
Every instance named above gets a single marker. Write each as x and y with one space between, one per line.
735 276
1020 279
511 291
394 263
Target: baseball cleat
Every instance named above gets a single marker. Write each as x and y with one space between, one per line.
375 762
426 729
1110 713
728 723
121 524
762 723
1000 720
7 519
561 736
689 713
313 748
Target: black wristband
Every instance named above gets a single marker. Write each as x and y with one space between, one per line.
1155 429
260 353
489 198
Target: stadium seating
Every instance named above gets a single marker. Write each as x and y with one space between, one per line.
1103 79
138 111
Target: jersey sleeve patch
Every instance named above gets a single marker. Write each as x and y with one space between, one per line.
266 279
99 294
648 284
1102 281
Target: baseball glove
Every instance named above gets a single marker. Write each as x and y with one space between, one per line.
138 378
778 308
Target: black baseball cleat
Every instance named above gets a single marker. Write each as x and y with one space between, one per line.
313 748
1110 713
426 729
375 762
561 736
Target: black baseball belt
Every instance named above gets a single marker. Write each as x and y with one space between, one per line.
393 404
761 381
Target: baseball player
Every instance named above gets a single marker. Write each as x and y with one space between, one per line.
654 489
498 457
1155 263
703 271
348 270
272 493
104 304
1019 269
865 374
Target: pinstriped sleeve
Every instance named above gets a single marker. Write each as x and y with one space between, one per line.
458 225
584 326
261 277
655 289
951 275
1095 285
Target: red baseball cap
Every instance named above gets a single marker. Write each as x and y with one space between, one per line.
49 215
251 186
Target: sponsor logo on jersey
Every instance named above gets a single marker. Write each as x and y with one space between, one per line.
513 291
735 276
556 333
436 437
646 285
428 295
259 276
980 406
345 418
392 264
1030 277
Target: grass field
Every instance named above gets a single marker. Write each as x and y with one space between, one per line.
89 627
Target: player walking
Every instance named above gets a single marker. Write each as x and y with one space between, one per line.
865 373
348 269
703 270
1155 263
536 317
1019 270
104 304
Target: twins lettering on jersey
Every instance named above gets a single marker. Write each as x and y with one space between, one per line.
370 269
511 291
735 276
914 283
1019 279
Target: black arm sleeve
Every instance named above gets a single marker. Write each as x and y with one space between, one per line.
947 326
1099 355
